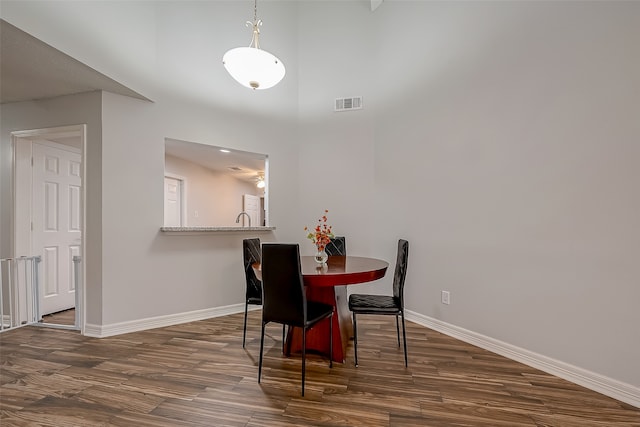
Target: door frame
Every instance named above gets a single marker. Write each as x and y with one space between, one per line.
22 237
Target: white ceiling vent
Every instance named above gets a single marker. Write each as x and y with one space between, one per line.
347 104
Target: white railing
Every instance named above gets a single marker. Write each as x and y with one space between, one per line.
19 290
20 293
77 276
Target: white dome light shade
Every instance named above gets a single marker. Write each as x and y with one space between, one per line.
253 67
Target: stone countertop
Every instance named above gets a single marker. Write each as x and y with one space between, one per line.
207 230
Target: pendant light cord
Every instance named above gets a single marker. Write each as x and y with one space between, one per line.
255 39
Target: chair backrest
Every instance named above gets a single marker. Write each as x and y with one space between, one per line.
251 255
401 271
337 246
284 298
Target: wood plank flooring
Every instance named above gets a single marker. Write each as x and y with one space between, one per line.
66 317
198 374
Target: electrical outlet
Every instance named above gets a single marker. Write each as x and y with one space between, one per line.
446 297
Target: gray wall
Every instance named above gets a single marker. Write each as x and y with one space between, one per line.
148 273
63 111
500 138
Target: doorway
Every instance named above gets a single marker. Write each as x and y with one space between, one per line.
175 213
49 196
251 205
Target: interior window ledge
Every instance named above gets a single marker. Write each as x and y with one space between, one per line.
206 230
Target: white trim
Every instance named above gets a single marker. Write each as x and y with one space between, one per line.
58 131
81 312
103 331
599 383
265 192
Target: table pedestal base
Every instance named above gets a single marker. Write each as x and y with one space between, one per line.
318 336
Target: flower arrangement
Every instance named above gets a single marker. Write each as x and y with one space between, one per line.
321 234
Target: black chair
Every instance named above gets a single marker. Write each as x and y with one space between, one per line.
284 299
384 304
253 294
337 246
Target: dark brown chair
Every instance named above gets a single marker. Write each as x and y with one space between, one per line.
253 294
336 246
384 304
284 299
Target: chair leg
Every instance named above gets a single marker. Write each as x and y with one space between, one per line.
304 355
355 339
283 330
398 331
404 338
244 329
331 341
261 350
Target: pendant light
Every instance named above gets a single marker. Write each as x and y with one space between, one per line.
251 66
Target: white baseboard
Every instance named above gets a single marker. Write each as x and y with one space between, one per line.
102 331
591 380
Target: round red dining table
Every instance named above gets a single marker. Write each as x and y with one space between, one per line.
328 283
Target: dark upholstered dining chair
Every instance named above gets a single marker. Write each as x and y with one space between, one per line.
253 293
336 246
384 304
284 298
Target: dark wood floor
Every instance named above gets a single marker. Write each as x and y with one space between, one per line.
198 374
66 317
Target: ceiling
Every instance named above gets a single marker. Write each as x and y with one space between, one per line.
242 165
31 69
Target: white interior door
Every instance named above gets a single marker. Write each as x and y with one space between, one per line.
56 222
172 202
251 205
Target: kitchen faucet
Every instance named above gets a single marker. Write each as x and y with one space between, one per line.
243 213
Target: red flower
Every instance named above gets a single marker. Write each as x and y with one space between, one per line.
322 234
